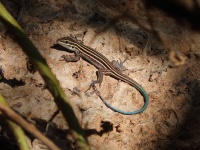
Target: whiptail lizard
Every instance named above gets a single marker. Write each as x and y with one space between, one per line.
104 66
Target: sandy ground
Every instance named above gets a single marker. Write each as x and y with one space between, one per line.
117 30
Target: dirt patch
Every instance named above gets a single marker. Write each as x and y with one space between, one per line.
119 30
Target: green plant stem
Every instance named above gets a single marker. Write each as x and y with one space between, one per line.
50 80
17 130
13 116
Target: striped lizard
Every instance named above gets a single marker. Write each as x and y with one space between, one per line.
104 66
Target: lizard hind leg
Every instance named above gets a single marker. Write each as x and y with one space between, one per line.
99 80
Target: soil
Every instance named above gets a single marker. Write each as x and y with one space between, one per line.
120 30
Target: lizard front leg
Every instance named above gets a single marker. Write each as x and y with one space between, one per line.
70 58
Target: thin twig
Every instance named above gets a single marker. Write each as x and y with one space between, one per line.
27 126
